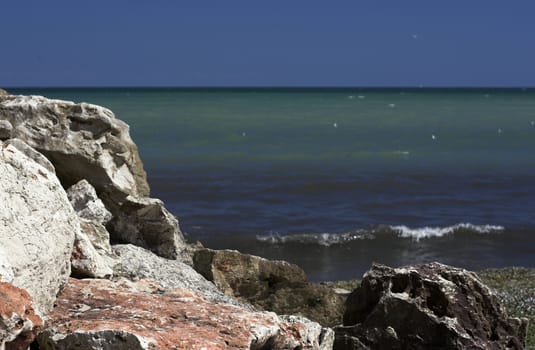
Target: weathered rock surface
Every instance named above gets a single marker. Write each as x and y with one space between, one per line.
146 223
101 314
86 261
83 141
3 92
31 153
19 324
5 129
137 263
37 226
431 306
270 285
86 203
86 141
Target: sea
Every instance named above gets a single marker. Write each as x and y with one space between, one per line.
335 179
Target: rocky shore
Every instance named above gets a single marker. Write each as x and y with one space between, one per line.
88 260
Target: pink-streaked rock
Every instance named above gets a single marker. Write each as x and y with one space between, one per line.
19 324
142 315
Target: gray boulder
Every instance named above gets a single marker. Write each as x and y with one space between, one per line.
276 286
146 223
430 306
38 227
136 263
85 141
86 261
86 203
5 129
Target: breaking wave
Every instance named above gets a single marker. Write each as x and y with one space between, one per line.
401 231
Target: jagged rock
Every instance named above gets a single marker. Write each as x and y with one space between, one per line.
430 306
137 263
87 262
37 227
101 314
31 153
19 324
86 203
3 92
83 141
146 223
5 129
98 235
86 141
270 285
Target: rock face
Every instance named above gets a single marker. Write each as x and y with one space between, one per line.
91 256
19 324
136 263
145 222
86 141
270 285
37 227
431 306
101 314
87 205
83 141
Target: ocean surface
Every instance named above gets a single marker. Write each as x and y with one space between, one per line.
335 179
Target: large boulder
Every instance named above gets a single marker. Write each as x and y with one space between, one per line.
430 306
19 324
37 229
102 314
276 286
86 141
83 141
146 222
137 263
86 203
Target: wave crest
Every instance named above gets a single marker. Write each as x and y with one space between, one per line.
400 231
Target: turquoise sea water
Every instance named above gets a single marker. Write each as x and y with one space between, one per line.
334 179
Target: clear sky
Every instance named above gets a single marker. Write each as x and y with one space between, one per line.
267 43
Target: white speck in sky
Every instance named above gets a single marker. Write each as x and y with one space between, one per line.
415 36
392 105
243 134
335 125
499 130
433 137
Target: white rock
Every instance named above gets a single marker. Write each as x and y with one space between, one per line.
37 226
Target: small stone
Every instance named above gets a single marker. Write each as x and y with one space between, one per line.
5 129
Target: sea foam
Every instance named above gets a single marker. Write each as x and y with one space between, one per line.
401 231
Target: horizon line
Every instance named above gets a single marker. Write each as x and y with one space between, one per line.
266 87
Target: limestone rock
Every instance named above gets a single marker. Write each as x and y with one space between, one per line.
83 141
31 153
146 223
86 203
5 129
87 262
3 92
270 285
137 263
430 306
37 226
101 314
19 324
98 235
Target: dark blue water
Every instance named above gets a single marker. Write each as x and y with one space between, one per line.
334 179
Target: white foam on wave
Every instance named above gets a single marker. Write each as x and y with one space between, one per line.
327 239
430 232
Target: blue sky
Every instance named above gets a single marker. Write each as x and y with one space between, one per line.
267 43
